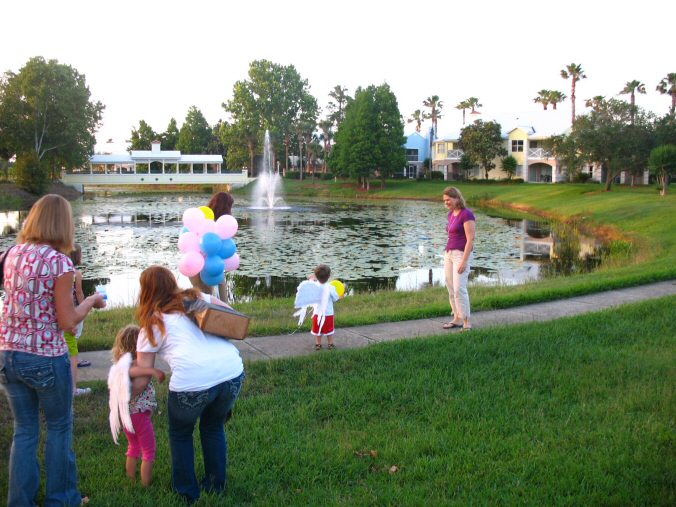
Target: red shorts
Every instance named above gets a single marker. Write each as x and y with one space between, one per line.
327 327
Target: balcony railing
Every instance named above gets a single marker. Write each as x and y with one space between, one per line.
539 153
454 154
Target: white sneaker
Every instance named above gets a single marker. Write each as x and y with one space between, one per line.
82 390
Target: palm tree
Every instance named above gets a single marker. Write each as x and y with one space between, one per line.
464 105
668 86
473 104
631 88
543 98
435 106
596 103
575 73
555 97
326 136
418 117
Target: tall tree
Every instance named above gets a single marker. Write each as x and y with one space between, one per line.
463 106
371 137
142 137
607 136
630 88
435 106
337 109
47 109
246 127
195 134
573 72
668 86
482 142
281 97
306 122
542 98
417 117
169 137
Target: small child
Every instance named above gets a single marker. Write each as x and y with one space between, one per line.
73 335
136 412
323 323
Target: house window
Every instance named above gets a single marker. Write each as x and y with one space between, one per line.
519 171
517 145
441 147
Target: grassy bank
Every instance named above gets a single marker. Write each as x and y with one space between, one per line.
577 411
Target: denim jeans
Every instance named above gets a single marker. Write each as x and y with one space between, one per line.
211 407
33 383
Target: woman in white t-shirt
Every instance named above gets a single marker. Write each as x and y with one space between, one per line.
207 374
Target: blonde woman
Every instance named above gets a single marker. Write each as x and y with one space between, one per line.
461 229
35 369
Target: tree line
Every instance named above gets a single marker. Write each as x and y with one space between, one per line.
48 121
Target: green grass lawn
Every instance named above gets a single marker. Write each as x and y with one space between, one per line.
578 411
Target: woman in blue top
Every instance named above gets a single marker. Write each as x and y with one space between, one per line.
461 228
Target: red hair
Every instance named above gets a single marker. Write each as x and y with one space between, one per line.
160 294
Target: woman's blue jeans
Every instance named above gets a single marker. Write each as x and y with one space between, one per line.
211 407
33 383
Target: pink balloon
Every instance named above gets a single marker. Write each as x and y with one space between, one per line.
204 225
226 226
191 263
232 262
189 242
192 217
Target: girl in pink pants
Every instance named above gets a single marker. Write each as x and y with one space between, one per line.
142 438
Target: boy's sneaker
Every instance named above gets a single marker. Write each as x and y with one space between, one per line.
82 390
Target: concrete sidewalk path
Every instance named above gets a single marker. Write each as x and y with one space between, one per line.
300 344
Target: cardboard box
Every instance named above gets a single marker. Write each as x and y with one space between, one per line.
222 321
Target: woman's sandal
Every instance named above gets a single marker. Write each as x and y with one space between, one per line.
331 346
451 325
318 346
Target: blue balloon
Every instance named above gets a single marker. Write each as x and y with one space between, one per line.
212 280
227 249
213 265
210 244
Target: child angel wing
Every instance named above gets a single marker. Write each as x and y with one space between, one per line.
311 294
119 387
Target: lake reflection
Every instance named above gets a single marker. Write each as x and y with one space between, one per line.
380 245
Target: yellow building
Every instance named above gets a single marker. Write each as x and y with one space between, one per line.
535 163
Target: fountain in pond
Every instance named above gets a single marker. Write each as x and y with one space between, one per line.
266 193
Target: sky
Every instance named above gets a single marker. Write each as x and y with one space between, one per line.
152 60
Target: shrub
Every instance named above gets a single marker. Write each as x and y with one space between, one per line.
31 173
292 175
581 177
437 175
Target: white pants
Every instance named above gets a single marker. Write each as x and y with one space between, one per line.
456 283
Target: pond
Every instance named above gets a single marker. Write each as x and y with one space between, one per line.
395 245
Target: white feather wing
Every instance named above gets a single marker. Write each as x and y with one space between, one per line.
308 294
119 387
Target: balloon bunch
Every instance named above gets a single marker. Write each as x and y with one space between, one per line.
206 245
